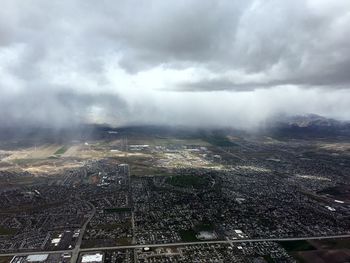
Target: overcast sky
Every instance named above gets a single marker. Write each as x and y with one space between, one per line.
215 63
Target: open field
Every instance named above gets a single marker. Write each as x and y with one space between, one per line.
61 150
53 158
337 147
166 141
39 152
183 159
50 159
72 151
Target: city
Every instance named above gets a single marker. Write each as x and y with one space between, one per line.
187 131
210 198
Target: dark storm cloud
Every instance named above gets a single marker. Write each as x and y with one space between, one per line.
339 79
54 108
65 61
291 43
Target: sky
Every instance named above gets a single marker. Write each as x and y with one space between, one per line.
228 63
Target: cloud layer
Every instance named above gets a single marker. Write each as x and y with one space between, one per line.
188 62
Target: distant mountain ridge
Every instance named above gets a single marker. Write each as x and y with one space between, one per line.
314 120
310 125
289 127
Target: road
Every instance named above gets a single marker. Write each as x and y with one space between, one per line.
228 241
77 248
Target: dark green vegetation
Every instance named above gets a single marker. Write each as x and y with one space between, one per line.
5 259
325 250
298 245
124 241
269 259
337 243
61 150
188 235
188 181
218 140
53 157
6 231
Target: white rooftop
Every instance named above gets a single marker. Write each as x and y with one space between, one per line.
55 240
37 258
92 258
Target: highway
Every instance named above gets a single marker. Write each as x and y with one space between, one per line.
228 241
75 252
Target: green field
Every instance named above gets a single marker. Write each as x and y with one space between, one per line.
188 235
124 241
298 245
219 140
61 150
6 231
